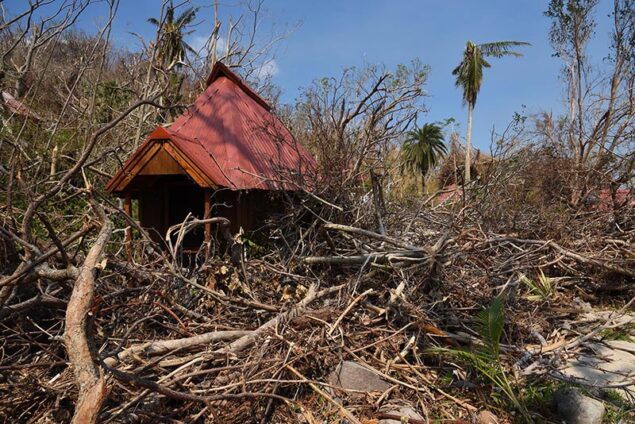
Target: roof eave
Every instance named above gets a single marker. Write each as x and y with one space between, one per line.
135 163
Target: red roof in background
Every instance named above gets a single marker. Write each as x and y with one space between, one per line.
604 200
449 192
231 137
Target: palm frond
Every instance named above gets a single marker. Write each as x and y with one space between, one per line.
541 290
187 17
502 48
469 72
486 358
490 323
422 149
169 15
172 46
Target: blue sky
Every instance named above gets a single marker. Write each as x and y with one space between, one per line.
331 35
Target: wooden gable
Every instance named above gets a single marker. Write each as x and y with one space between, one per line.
162 163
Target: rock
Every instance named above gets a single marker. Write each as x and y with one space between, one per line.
486 417
624 345
350 375
575 408
611 365
404 411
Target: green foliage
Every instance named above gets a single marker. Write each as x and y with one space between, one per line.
469 73
110 98
570 20
541 290
623 333
485 359
422 149
538 397
253 248
172 47
490 325
618 410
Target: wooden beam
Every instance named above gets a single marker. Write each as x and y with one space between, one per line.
127 207
190 168
126 174
146 154
207 214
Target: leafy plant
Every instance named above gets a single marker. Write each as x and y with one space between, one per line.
110 98
172 47
541 290
486 359
538 396
618 410
422 149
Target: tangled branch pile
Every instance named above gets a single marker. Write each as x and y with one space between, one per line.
261 341
368 301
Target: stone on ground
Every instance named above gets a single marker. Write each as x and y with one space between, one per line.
404 411
575 408
612 365
350 375
486 417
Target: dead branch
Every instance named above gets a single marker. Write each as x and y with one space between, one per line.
90 381
164 346
244 342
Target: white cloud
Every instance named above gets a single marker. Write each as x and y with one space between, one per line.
268 69
200 44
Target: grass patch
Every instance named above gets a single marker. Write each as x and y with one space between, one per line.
618 410
623 333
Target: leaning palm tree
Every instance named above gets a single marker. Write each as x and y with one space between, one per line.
469 76
422 149
172 47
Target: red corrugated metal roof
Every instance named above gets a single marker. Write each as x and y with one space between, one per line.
604 200
231 136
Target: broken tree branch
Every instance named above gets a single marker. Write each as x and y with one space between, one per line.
90 381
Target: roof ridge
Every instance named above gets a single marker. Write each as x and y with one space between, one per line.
220 69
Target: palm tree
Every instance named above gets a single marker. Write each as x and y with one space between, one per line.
172 47
469 76
422 149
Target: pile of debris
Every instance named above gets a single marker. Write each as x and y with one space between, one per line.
342 330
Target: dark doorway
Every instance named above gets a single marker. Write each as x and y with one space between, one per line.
182 201
167 200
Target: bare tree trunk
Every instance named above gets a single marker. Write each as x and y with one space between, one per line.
91 382
378 200
468 144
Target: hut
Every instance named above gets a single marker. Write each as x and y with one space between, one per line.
226 155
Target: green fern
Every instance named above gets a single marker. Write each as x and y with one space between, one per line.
486 358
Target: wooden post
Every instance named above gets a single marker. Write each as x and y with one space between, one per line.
207 214
127 207
378 200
